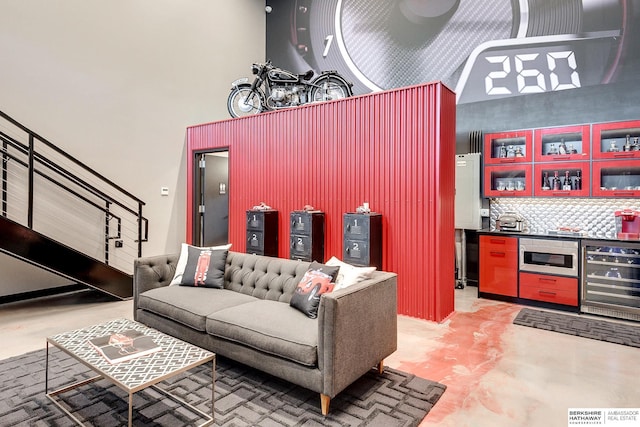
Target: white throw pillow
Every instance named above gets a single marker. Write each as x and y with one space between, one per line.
184 256
349 274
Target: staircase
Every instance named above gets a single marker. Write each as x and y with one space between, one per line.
60 215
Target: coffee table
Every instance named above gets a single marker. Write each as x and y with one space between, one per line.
175 356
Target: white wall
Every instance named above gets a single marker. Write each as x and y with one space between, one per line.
115 83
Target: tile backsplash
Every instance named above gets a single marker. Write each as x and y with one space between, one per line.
595 216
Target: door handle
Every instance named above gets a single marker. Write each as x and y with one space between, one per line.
624 155
551 294
623 193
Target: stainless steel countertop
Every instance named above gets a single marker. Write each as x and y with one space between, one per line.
550 236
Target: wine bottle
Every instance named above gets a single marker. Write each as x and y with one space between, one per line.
503 151
577 183
545 181
567 181
556 181
562 149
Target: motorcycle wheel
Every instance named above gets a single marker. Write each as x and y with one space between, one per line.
329 88
243 102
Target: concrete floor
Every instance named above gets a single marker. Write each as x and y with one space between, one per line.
497 373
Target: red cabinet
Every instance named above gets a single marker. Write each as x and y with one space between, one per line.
616 178
617 140
498 265
553 289
616 154
508 156
562 144
508 181
572 178
508 147
604 157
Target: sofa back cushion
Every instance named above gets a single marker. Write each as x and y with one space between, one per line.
263 277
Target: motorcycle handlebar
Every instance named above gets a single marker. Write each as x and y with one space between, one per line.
262 64
257 67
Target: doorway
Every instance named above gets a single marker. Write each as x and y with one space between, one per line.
211 198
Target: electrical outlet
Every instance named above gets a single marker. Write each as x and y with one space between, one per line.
484 213
119 243
164 191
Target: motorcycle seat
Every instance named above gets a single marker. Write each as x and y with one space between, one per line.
307 75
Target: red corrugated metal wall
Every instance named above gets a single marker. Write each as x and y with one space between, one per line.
393 149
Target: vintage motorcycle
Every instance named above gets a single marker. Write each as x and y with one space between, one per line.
275 88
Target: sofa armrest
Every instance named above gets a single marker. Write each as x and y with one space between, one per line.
152 272
358 328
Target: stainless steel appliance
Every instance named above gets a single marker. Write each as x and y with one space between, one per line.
467 209
468 199
611 279
549 256
510 221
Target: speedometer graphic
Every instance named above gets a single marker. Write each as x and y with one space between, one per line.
483 49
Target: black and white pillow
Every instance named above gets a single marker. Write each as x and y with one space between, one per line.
184 256
205 268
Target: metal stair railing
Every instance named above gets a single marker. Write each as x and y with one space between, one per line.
56 195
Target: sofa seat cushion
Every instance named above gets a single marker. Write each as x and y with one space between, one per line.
269 326
190 306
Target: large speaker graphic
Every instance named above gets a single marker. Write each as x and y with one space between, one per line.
483 49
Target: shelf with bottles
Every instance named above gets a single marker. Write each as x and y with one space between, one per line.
615 178
508 147
568 179
619 140
612 274
562 144
508 181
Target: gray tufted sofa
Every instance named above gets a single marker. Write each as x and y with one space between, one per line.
250 320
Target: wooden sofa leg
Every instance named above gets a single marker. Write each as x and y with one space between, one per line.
326 400
324 403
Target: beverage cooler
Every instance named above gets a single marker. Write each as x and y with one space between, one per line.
611 278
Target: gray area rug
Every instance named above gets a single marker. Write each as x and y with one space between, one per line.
244 397
601 330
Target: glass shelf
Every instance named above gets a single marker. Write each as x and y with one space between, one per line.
562 144
508 181
547 171
615 178
619 140
508 147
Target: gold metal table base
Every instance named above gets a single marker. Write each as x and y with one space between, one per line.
53 395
